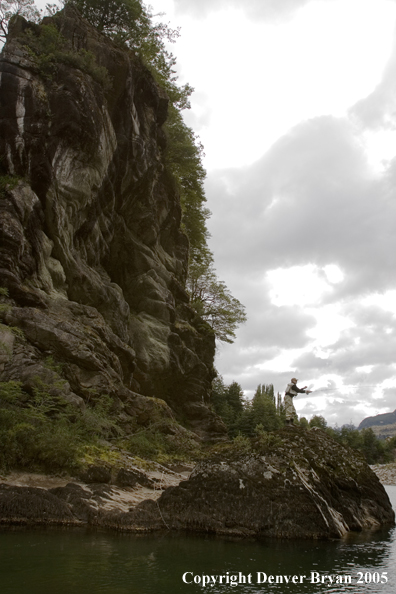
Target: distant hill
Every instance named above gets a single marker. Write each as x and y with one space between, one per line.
383 425
385 419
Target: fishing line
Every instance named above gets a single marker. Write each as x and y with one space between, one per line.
352 386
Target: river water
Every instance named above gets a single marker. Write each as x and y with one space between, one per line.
80 561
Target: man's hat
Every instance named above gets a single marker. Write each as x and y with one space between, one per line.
293 379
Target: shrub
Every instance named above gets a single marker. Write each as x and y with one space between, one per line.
49 48
45 432
158 444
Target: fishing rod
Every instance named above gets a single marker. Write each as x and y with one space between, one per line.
348 386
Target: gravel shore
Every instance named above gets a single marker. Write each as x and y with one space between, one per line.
386 473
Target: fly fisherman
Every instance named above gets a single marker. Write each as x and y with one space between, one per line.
291 391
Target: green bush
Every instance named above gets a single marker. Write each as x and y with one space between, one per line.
49 48
157 444
45 432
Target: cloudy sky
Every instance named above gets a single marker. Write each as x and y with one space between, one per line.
295 104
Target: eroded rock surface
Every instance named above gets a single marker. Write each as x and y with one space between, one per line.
102 490
298 483
92 251
295 484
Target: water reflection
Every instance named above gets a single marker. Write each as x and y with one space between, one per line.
81 561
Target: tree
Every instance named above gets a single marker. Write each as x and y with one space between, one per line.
303 422
183 155
10 8
235 397
212 300
131 23
318 421
264 408
227 402
210 296
121 20
259 414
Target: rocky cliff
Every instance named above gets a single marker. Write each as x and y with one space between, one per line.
93 258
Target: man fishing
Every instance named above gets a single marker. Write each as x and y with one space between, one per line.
291 392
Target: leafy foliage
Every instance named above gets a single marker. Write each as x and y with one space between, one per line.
49 48
261 413
44 431
227 401
374 450
212 299
122 20
318 421
248 418
158 442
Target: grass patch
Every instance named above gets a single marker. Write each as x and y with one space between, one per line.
92 454
7 183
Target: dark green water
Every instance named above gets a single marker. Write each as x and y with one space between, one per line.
70 561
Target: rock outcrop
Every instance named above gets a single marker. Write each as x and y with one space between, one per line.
296 483
291 484
92 252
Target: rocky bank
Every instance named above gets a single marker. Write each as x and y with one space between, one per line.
289 484
386 473
93 260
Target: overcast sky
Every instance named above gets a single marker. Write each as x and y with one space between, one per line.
295 104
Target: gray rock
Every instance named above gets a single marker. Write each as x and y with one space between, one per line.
30 505
79 499
96 474
298 484
130 478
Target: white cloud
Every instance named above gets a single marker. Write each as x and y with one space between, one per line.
298 285
269 9
258 77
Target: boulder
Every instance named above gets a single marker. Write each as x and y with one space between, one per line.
80 500
291 484
131 478
31 505
96 474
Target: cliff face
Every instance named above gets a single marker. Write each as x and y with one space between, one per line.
92 253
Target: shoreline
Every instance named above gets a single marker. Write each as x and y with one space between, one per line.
386 473
67 501
115 497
